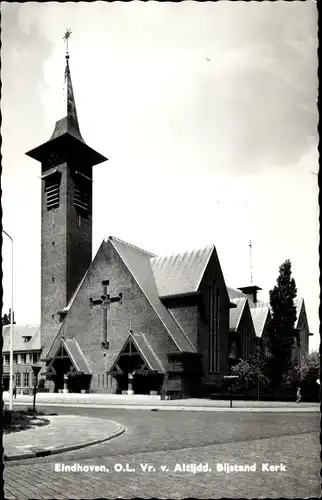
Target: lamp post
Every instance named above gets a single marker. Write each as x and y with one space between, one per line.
35 371
129 385
11 328
231 379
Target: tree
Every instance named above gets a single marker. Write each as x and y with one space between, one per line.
6 319
281 331
304 375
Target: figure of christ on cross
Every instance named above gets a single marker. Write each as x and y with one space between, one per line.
105 302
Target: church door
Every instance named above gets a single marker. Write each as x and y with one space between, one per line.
131 361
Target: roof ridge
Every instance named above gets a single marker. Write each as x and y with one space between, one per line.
131 245
175 254
24 325
241 312
152 351
162 308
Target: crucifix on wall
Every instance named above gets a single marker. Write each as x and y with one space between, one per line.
105 302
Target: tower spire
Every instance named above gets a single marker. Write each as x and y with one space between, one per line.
68 120
66 140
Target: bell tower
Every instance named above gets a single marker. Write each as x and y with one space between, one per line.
66 211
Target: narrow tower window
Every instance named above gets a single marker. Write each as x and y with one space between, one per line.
52 191
82 197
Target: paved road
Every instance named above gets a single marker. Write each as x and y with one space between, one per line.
169 438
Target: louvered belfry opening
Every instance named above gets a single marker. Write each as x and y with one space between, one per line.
52 190
82 195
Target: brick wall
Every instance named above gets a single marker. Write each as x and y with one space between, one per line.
85 324
187 318
213 272
53 260
246 334
66 251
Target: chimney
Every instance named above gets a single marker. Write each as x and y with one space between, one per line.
250 291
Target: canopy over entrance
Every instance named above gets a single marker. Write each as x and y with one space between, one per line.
69 360
137 359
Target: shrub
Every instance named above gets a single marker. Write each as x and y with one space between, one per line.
291 381
7 417
310 372
41 383
303 375
310 366
250 375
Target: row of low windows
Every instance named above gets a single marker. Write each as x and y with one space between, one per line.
23 379
22 359
102 381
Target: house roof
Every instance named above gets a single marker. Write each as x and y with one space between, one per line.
180 273
138 263
235 314
259 317
19 344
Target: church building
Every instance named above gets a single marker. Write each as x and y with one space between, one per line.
127 320
160 321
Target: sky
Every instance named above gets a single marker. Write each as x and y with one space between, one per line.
207 114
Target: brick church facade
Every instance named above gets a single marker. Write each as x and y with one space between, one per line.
167 323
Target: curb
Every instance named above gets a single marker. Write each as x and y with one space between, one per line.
132 406
62 449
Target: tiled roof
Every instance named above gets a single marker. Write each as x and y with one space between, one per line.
19 344
235 314
138 263
147 352
259 316
76 355
299 302
180 273
234 293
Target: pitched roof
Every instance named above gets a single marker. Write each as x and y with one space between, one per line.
259 317
235 314
138 263
180 273
234 293
299 303
69 121
147 352
76 355
66 133
19 344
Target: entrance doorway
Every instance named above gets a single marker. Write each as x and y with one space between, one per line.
62 365
131 361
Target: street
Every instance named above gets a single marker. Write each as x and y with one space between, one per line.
160 450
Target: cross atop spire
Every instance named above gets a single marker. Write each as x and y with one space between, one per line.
65 38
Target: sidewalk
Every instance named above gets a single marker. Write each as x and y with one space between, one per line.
63 433
141 402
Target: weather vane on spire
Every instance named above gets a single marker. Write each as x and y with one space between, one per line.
65 38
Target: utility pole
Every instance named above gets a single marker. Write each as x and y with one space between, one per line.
11 329
250 261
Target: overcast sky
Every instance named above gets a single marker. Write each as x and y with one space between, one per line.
207 113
